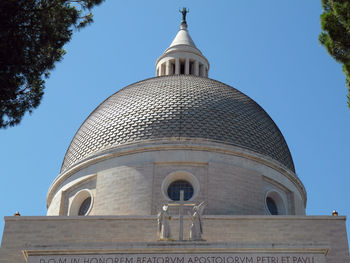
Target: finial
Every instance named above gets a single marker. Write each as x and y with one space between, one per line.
334 213
184 12
17 214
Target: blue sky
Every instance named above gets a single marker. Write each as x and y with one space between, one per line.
267 49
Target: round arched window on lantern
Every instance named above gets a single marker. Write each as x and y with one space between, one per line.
176 187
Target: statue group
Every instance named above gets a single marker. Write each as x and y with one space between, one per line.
196 229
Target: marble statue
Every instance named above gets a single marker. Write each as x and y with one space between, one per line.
163 224
196 230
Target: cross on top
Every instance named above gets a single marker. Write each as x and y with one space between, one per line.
181 204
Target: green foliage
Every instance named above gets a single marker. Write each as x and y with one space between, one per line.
335 35
32 36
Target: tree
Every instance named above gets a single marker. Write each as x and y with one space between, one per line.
32 36
335 35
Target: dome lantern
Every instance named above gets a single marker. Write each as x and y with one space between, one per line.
182 57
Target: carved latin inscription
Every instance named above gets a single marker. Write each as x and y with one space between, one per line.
181 258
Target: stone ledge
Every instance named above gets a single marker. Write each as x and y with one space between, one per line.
154 217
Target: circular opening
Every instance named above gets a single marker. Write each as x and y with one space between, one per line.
84 207
81 204
177 186
169 186
274 203
271 205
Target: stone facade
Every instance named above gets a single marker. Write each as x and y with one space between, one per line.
251 235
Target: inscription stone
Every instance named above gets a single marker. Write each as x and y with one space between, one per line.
253 257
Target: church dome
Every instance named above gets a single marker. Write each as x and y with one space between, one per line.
178 107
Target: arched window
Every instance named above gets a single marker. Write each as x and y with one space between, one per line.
84 207
271 205
81 204
274 203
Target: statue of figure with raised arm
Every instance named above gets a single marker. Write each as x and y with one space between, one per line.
163 224
196 226
184 12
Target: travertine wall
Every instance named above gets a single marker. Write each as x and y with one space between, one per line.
132 181
124 190
245 232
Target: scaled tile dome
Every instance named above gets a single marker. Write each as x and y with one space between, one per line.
178 106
